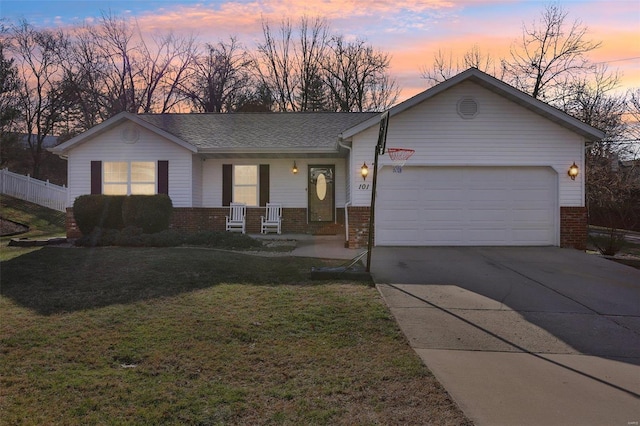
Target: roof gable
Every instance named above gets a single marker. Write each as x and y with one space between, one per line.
111 123
497 86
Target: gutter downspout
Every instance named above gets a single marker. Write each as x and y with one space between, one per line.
348 203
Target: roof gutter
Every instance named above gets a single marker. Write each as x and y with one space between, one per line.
348 203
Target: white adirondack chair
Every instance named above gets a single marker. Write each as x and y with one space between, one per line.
236 219
272 219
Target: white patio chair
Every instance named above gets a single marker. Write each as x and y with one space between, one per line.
272 219
236 219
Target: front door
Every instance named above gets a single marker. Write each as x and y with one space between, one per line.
322 193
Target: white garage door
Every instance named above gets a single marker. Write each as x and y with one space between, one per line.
466 206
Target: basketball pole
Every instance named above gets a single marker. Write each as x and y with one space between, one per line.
371 209
380 147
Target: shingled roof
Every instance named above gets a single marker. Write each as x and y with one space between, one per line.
223 135
258 131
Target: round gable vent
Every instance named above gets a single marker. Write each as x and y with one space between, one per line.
130 134
467 107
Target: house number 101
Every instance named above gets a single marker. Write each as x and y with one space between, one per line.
363 186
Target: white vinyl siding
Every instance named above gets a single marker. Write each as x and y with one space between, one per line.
285 188
501 134
110 146
197 182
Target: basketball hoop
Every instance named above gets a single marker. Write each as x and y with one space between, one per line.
399 156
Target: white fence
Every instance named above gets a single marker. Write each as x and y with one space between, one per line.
33 190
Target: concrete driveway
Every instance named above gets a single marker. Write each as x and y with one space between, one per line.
521 336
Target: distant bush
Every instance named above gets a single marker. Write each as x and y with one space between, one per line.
608 243
98 211
151 213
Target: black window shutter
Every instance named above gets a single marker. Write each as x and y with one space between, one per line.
227 182
96 177
163 177
264 184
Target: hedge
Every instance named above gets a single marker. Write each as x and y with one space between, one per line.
98 211
151 213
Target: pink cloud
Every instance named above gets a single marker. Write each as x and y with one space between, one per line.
413 30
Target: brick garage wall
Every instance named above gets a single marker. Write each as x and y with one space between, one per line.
573 227
358 227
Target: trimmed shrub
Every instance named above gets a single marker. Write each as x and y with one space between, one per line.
151 213
98 211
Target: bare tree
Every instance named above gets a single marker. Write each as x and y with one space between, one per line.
220 78
163 69
591 98
357 77
87 72
37 55
113 39
550 54
445 66
310 54
290 63
275 65
112 67
632 131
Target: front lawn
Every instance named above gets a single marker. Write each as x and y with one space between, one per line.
41 221
198 336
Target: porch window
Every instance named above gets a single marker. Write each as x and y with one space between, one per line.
129 178
245 185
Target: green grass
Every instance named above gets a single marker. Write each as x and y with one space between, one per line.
198 336
42 223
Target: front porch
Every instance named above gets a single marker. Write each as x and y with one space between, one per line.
191 219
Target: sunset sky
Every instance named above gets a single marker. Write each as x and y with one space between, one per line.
411 30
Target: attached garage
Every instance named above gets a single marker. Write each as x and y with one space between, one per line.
490 168
467 206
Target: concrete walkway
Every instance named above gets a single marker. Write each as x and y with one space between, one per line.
318 246
521 336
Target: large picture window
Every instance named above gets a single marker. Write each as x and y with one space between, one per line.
245 185
129 178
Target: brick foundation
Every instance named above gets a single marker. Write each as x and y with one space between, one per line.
573 223
294 221
574 226
358 227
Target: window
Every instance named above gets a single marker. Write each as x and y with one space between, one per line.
245 185
129 178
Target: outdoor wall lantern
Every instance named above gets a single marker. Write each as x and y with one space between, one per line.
294 169
364 171
573 171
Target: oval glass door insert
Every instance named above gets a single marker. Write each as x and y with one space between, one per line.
321 187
